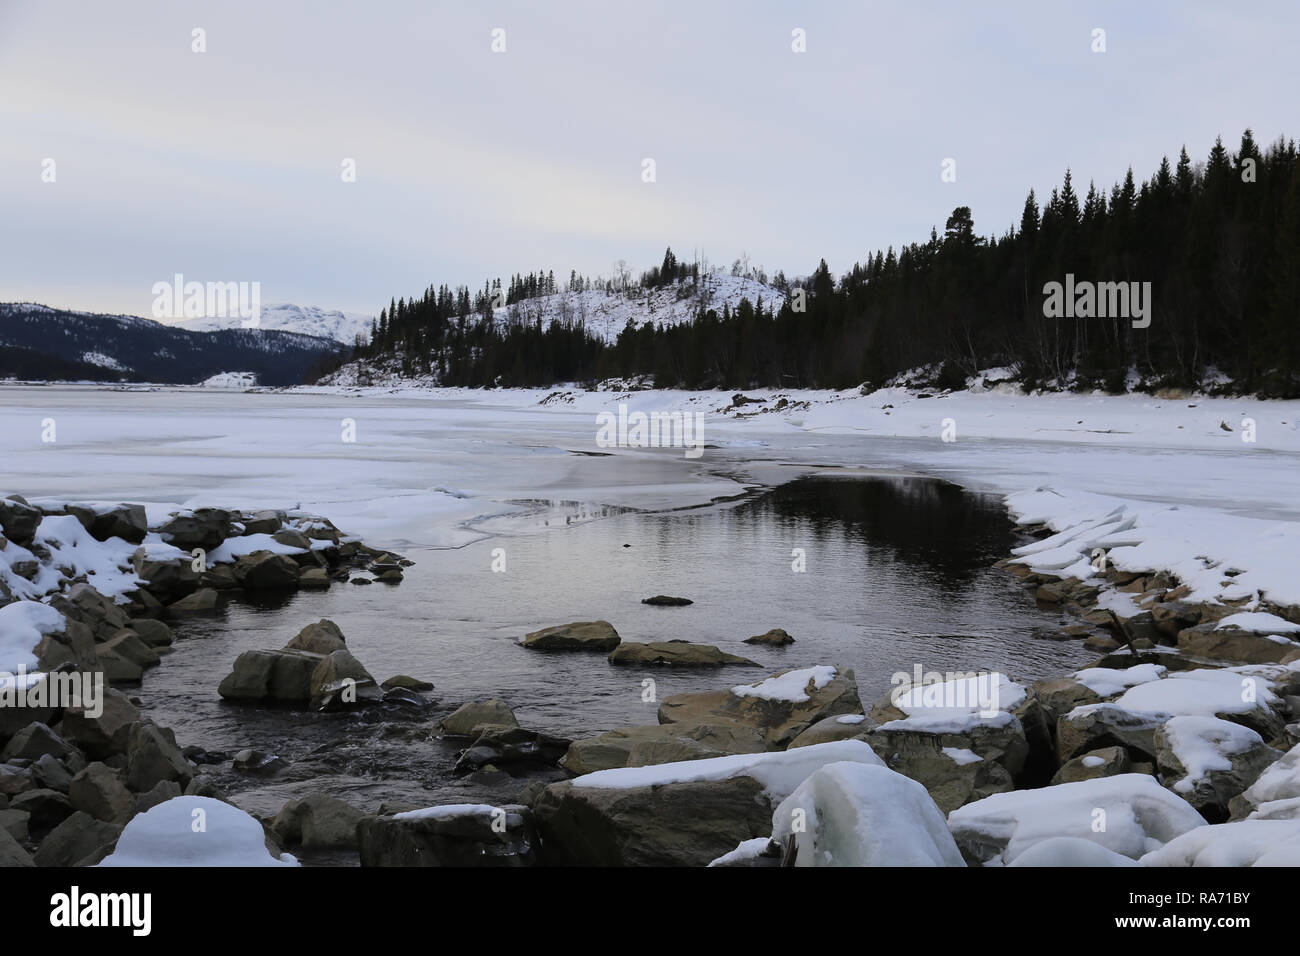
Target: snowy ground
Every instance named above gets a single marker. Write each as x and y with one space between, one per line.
424 461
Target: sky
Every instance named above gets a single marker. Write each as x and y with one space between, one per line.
227 165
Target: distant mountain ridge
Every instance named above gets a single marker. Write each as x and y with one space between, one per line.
40 343
304 319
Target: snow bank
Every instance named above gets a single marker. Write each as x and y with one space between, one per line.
22 625
1202 693
194 831
1129 814
779 772
1071 851
1244 843
857 814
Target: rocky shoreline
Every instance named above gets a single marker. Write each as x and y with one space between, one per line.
1182 738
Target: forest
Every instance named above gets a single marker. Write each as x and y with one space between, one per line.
1217 240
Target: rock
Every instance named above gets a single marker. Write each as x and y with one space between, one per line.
317 822
773 638
664 600
578 636
323 637
280 676
99 791
14 822
675 654
773 706
116 667
19 521
1106 762
152 756
72 647
404 682
106 735
843 727
340 681
1127 814
166 836
169 578
456 835
1208 761
465 720
266 571
255 761
958 764
46 807
124 521
314 579
78 840
11 852
163 791
47 772
204 528
1233 643
262 522
34 741
202 601
153 632
219 577
391 576
1097 726
13 781
660 743
127 644
500 746
852 814
680 814
1275 794
292 539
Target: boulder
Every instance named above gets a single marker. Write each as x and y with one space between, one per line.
266 571
123 521
202 601
665 600
675 654
153 632
1208 640
465 720
455 835
773 638
339 680
107 734
46 807
262 522
403 682
781 707
78 840
660 743
163 791
314 579
168 578
48 772
99 791
204 528
956 764
1105 762
501 746
11 851
34 741
19 521
127 644
317 822
152 756
117 667
578 636
843 727
1097 726
14 822
323 637
1208 761
278 676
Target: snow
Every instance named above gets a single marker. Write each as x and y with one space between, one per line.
106 564
856 814
791 686
961 756
1243 843
745 850
22 625
1129 814
779 772
1071 851
1278 784
1259 622
850 718
306 320
1203 744
1088 760
964 723
1106 681
1203 693
230 380
194 831
447 810
233 548
960 697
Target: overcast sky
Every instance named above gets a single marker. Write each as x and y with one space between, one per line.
226 165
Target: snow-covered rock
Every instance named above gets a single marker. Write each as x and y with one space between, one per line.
194 831
1244 843
1071 851
856 814
1275 794
1208 761
1130 814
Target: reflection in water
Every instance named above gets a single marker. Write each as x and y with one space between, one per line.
897 574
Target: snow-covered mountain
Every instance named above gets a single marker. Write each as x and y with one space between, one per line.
303 319
606 313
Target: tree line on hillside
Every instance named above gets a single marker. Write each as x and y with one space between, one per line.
1218 241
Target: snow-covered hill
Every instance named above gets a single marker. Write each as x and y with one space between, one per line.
305 319
606 313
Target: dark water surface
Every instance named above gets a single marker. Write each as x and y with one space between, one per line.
898 573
